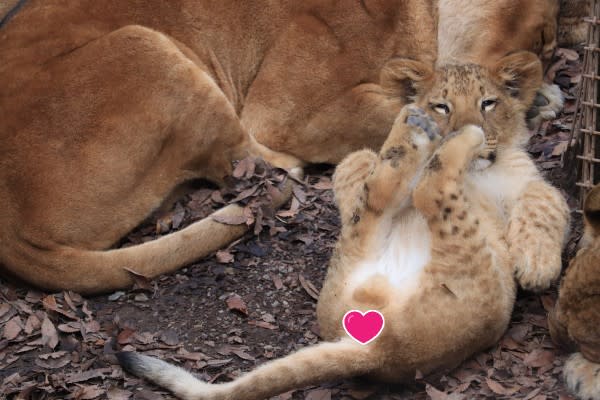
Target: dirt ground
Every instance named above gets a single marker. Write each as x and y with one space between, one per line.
256 301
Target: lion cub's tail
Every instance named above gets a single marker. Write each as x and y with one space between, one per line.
312 365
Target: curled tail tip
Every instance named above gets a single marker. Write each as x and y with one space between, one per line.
131 362
582 377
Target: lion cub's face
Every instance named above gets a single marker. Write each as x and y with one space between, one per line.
456 95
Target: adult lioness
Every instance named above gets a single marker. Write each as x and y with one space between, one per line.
432 236
107 106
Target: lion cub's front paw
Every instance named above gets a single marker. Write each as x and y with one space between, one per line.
538 265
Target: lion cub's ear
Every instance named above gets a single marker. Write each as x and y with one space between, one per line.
591 210
521 74
405 78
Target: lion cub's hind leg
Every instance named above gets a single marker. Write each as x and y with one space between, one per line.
366 183
411 141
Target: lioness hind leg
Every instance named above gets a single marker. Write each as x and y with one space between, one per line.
158 121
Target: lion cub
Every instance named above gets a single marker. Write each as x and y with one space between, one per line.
434 228
575 321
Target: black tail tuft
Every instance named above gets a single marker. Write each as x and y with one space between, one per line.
129 361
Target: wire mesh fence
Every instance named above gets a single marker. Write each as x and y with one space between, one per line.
583 158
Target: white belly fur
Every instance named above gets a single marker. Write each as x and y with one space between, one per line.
403 250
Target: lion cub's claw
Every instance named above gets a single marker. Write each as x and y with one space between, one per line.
417 118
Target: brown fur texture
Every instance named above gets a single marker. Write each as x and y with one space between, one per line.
425 237
575 320
572 29
106 107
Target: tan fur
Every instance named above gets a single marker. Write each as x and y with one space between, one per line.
106 107
575 321
482 31
424 236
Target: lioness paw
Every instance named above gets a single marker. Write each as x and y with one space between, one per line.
582 377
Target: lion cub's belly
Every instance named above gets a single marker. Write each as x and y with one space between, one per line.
400 251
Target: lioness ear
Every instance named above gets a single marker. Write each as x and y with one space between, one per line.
405 78
591 210
520 73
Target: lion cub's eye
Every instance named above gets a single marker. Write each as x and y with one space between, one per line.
488 105
441 108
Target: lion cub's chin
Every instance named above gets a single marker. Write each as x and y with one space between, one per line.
479 164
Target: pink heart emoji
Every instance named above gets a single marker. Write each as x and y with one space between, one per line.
363 327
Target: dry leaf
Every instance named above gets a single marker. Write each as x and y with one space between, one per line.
569 54
235 303
53 360
87 375
88 392
323 184
560 148
285 396
539 358
435 394
237 219
263 324
497 388
277 281
169 337
70 327
118 394
218 363
224 257
4 309
49 334
309 287
12 328
49 303
243 355
33 324
318 394
125 336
